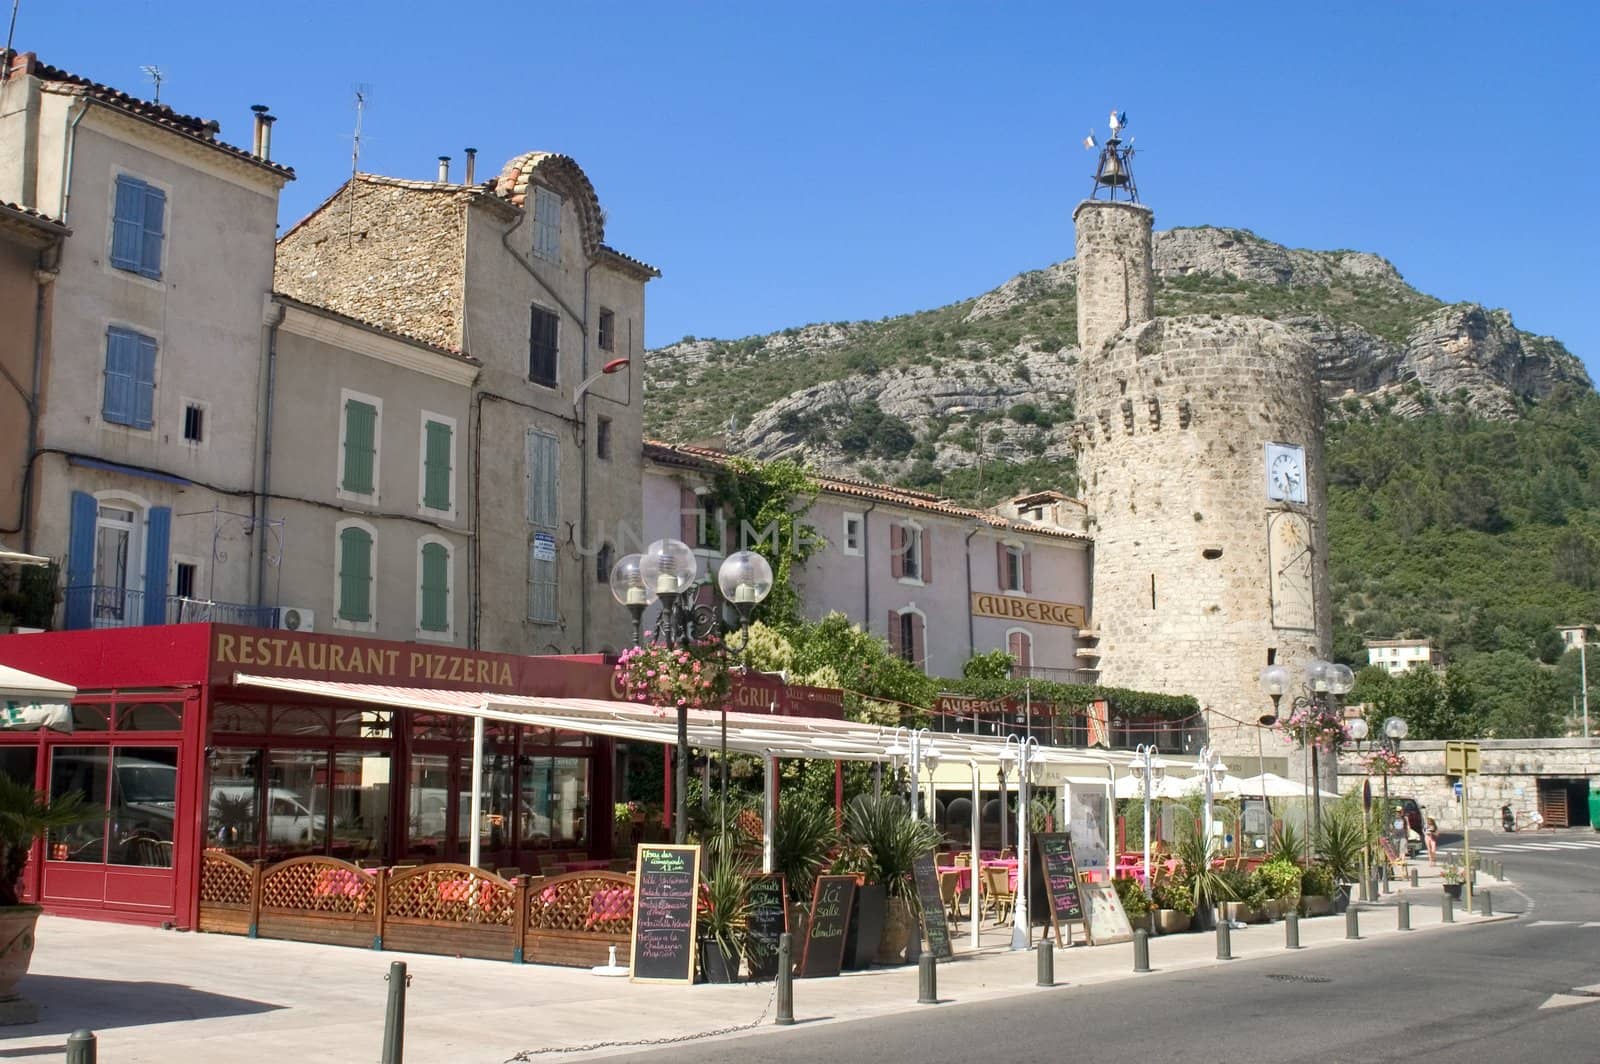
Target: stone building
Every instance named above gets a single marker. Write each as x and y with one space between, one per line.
941 582
513 274
149 414
1200 456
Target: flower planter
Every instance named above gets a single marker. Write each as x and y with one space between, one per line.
1144 921
1316 904
1341 897
1453 890
896 932
17 923
1171 921
866 925
717 964
1239 912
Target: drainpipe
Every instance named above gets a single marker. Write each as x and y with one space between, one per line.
972 639
866 570
585 585
44 276
264 496
65 199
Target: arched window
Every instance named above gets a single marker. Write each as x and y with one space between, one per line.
354 606
1019 644
434 588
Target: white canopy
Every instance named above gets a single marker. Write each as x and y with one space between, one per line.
1272 785
29 702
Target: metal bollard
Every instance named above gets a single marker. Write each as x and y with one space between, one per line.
1388 887
1447 909
1224 939
1487 907
1141 950
1047 961
1500 870
1352 923
1366 889
394 1019
1291 930
1413 876
927 979
785 1015
81 1047
1404 915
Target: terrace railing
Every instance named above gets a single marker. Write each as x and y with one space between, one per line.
107 606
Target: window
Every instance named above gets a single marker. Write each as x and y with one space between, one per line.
602 439
194 423
1019 644
358 445
438 460
433 587
1015 568
546 224
602 564
710 522
608 330
852 533
543 479
543 328
130 378
354 588
137 227
542 578
117 561
114 577
183 579
909 554
908 636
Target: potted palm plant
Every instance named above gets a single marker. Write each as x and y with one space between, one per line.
883 824
1197 852
25 814
724 919
802 836
1340 845
869 906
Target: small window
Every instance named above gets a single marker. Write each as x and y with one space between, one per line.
546 224
183 580
852 533
543 579
438 455
543 479
543 332
358 472
908 636
602 439
1011 575
434 611
911 553
194 422
602 564
354 585
130 386
608 330
710 529
138 227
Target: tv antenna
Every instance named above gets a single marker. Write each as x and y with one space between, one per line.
155 76
1115 168
363 99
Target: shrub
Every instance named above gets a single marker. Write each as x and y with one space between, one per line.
1280 879
1317 880
1136 901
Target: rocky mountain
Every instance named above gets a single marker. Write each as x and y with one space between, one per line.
974 399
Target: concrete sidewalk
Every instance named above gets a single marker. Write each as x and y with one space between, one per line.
159 996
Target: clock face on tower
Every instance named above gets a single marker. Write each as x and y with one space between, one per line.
1286 472
1291 572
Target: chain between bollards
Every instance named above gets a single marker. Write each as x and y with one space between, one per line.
1403 915
394 1020
1291 930
1352 923
928 979
1047 961
1486 907
1141 950
1224 939
785 1014
81 1047
1447 909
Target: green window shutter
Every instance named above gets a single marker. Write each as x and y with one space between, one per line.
355 575
435 588
360 438
436 466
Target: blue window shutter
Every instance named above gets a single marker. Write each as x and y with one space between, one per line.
155 211
144 382
127 225
121 360
80 560
158 540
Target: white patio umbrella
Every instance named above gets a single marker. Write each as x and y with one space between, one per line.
1166 787
29 702
1272 785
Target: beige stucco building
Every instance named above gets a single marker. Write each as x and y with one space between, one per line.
513 275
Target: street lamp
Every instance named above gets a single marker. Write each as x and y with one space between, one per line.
1324 685
667 571
919 751
1212 771
1152 768
1022 752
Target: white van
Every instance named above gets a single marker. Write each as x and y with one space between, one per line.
289 819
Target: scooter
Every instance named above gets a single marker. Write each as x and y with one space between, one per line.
1508 819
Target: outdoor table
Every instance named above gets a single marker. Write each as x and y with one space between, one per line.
1009 864
963 874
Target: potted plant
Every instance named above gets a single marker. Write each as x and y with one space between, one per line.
1453 876
25 814
723 920
1280 879
869 906
802 836
1316 891
1136 902
883 824
1197 852
1174 903
1340 845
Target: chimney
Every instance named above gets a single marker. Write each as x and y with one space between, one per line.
472 163
444 169
260 111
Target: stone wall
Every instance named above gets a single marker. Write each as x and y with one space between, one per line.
1116 287
1507 767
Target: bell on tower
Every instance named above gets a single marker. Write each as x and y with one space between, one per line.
1115 169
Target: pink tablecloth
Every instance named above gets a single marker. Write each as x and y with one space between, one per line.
963 874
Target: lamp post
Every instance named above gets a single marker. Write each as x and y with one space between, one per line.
1358 732
918 751
1324 684
1152 768
1021 752
1211 772
666 572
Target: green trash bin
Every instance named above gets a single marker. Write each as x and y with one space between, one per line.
1594 804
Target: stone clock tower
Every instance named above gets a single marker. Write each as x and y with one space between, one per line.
1200 457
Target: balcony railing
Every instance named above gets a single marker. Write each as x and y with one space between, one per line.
1062 728
103 606
1054 674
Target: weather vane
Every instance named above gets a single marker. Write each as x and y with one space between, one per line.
1115 170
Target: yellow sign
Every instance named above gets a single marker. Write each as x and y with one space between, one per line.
1017 608
1461 759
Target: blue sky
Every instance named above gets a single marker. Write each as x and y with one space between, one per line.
791 163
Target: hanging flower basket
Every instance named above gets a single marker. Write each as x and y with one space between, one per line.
696 677
1316 726
1384 762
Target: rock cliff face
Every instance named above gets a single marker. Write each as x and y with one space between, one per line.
975 398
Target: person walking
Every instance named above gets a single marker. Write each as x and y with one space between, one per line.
1431 837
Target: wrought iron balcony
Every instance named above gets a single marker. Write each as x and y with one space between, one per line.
105 606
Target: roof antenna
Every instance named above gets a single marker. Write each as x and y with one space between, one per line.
156 77
363 93
11 35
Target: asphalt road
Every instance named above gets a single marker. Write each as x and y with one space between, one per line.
1471 995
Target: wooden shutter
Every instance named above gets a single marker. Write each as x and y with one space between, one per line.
435 588
927 556
1027 571
155 210
436 466
122 358
355 575
1000 552
919 655
897 551
158 539
127 226
144 381
80 561
360 432
894 633
543 478
689 516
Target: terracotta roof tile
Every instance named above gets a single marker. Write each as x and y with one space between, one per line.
28 215
381 330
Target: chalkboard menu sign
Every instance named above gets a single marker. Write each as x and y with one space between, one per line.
769 918
935 928
823 952
1060 878
665 886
